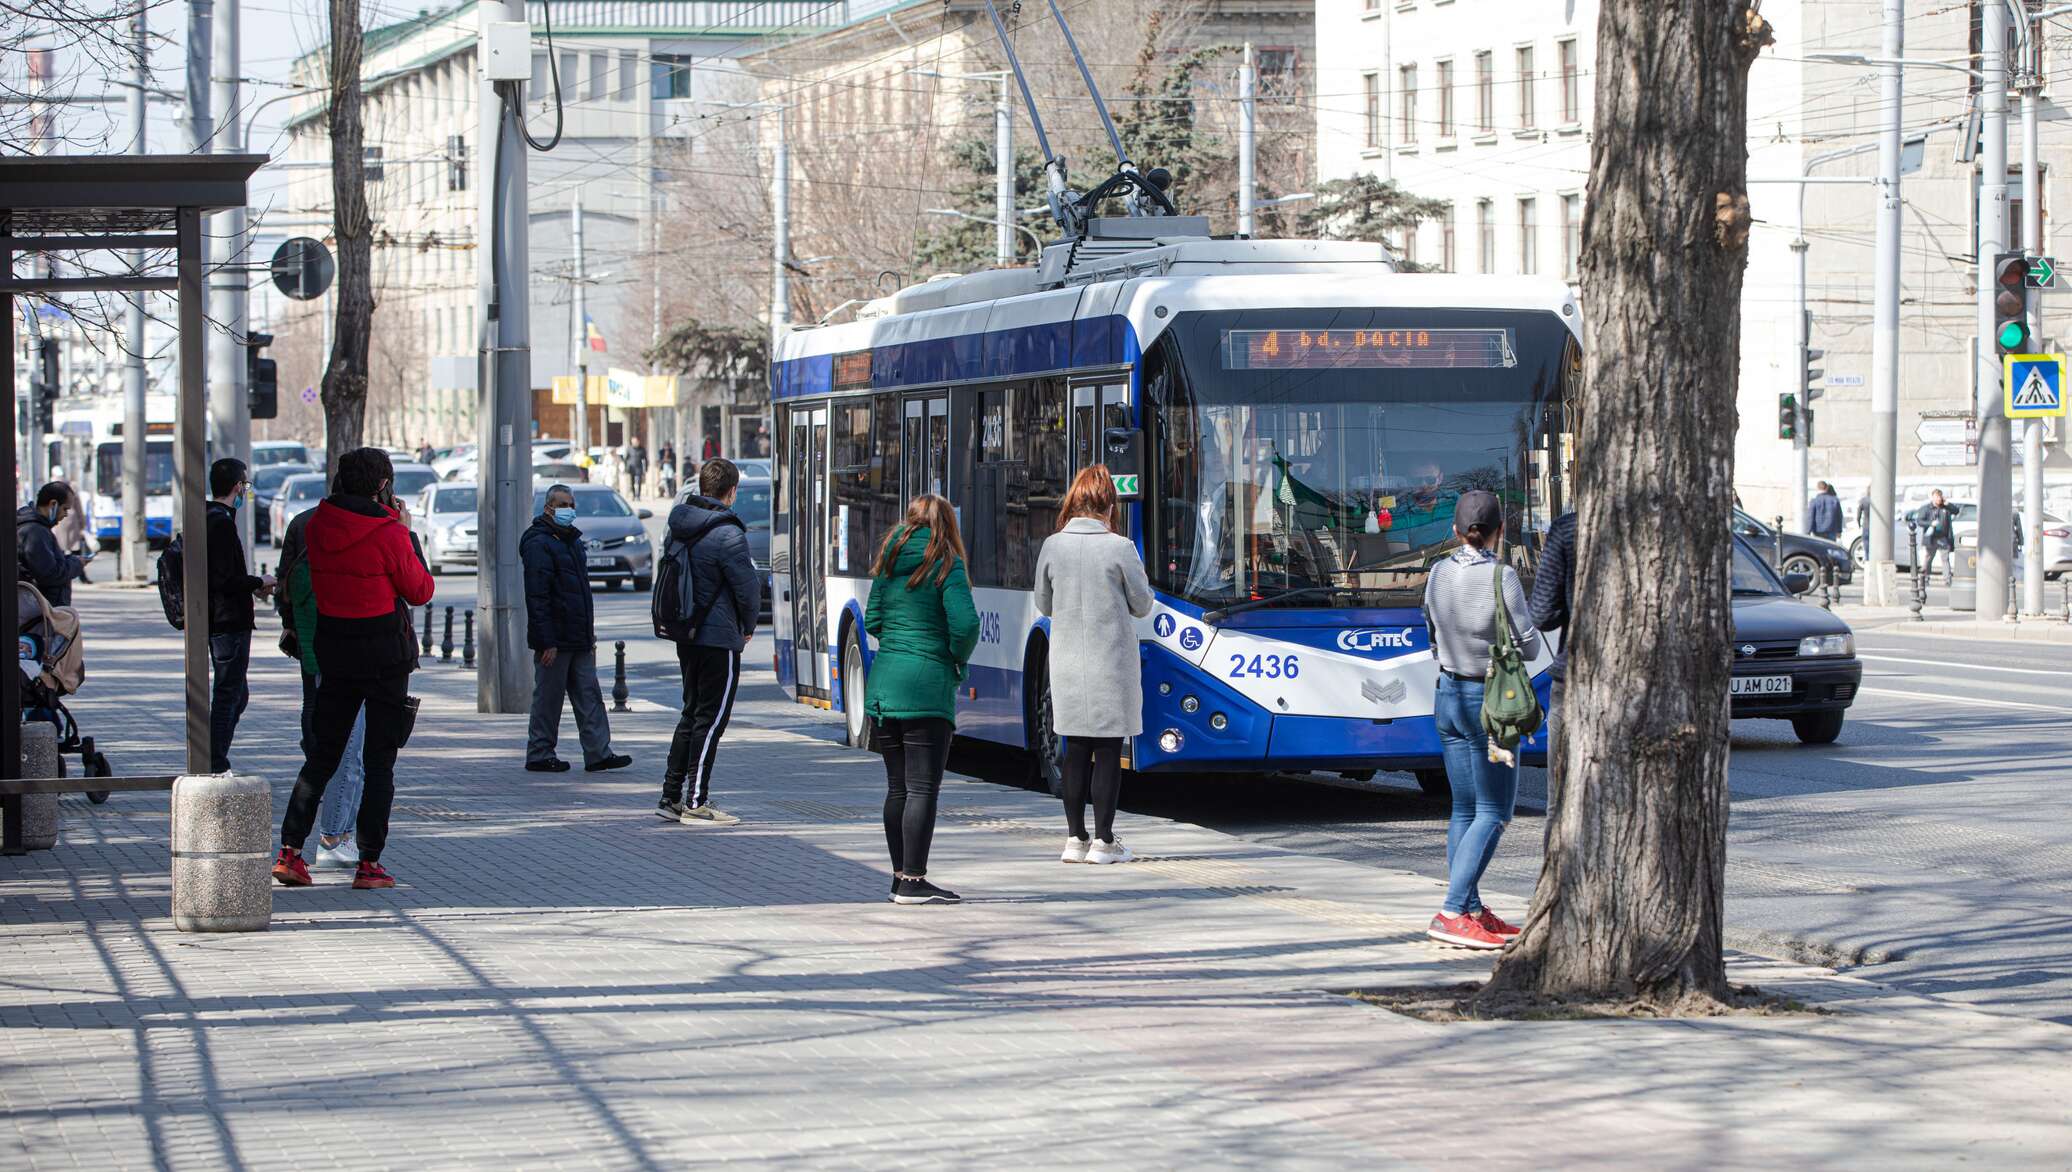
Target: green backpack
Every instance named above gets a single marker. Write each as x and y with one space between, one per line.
1510 708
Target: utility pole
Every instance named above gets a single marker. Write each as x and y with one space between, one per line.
780 235
1885 319
582 339
230 414
2031 86
504 417
135 549
1247 140
1995 455
1003 177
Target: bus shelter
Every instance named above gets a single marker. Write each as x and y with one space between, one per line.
152 203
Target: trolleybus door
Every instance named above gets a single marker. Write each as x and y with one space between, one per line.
809 547
1097 404
925 446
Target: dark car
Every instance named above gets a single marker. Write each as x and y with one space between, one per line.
1802 554
1792 660
266 480
752 505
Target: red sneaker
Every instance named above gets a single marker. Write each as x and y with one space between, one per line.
1464 931
371 877
289 868
1496 924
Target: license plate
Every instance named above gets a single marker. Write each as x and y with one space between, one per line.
603 563
1761 686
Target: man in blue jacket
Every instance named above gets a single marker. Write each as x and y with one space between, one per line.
1824 513
721 597
560 627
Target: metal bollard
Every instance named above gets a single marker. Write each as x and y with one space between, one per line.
1919 596
619 677
2065 589
446 644
1834 587
467 650
1827 583
427 630
1779 534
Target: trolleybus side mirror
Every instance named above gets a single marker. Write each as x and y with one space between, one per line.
1123 452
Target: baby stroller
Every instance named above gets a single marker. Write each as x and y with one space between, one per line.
53 665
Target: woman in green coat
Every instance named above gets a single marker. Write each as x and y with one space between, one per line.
921 615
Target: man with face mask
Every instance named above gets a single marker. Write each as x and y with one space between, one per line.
43 563
561 630
232 586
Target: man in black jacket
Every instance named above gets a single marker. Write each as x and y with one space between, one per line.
231 589
1553 602
560 627
724 595
50 569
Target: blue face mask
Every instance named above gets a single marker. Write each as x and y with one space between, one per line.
565 517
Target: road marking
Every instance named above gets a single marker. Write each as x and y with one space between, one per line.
1962 700
2026 671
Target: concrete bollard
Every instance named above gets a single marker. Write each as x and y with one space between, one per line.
40 760
222 853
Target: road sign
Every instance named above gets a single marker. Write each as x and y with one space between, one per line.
1845 380
2043 273
1946 431
1946 455
2034 385
1126 484
303 268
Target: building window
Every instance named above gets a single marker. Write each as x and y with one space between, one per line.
629 69
566 83
1408 240
600 70
1528 237
540 80
1571 87
1446 261
1276 70
1445 99
374 172
672 76
1406 122
1485 92
1571 237
1485 235
1527 116
1370 110
456 163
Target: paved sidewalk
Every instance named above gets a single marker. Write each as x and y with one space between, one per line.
565 980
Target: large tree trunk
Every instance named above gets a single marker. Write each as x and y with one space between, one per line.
345 375
1628 903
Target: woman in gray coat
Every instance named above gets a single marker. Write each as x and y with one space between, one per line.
1091 583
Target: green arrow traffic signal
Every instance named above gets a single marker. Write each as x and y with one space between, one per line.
2043 272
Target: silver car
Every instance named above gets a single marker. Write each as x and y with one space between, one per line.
296 495
615 542
443 517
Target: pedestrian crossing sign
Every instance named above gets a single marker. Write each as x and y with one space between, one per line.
2034 385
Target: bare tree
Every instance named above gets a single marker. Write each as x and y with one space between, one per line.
345 376
1629 898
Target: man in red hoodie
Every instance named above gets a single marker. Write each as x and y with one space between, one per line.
367 572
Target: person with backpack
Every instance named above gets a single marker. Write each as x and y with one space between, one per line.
921 614
706 599
560 627
367 572
232 587
1090 581
1467 595
296 600
44 563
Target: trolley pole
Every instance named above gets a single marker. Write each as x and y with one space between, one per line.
1995 457
1247 141
135 549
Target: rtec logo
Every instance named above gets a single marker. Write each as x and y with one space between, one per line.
1369 639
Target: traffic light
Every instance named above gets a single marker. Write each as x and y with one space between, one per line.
1787 416
1813 373
45 385
262 380
2010 303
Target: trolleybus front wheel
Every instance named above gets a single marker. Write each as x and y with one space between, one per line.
853 688
1047 750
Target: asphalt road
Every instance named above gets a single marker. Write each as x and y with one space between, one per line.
1928 846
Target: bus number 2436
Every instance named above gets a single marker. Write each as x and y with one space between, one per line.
1266 667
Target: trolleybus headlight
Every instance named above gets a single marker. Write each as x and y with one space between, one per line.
1190 705
1170 740
1219 722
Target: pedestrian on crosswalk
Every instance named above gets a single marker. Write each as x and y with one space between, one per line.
922 616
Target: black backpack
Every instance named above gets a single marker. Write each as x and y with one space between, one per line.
172 585
674 608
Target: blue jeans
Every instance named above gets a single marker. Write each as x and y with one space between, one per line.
230 658
1484 793
341 805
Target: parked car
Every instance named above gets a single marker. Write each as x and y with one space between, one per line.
444 517
1792 660
752 505
616 545
1802 554
446 463
559 473
266 453
407 478
755 466
266 481
295 494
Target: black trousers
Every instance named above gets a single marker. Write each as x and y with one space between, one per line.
338 702
1100 757
915 752
711 676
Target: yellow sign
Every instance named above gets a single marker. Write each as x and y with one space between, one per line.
620 388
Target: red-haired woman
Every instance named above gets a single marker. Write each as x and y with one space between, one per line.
921 615
1090 581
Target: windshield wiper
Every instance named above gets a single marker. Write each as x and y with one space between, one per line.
1222 612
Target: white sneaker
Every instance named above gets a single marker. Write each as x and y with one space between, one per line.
1108 852
1075 850
338 858
706 816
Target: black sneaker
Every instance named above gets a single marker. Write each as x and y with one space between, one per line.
615 761
912 891
669 809
550 765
